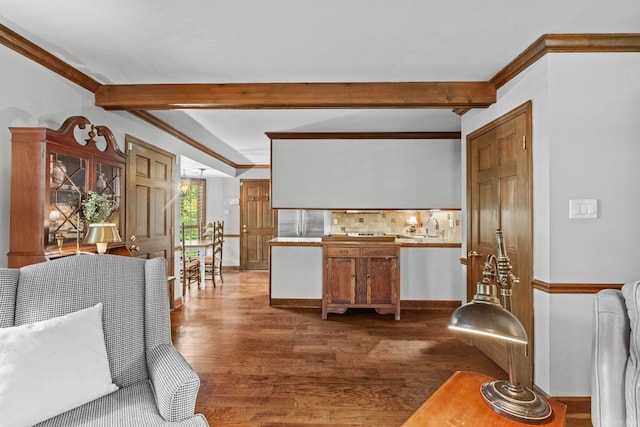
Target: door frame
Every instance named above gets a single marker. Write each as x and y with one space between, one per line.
526 256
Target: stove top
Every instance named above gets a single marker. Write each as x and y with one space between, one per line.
367 234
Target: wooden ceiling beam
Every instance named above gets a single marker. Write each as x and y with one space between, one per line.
296 95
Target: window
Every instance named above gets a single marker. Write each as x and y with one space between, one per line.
192 206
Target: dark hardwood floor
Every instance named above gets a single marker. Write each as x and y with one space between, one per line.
267 367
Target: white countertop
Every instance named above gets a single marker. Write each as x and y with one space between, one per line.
296 241
403 241
427 241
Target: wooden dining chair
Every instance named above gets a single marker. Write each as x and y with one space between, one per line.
208 234
217 250
213 262
190 265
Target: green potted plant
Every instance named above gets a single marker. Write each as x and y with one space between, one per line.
97 207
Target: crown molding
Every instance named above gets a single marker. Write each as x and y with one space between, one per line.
164 126
363 135
566 43
250 166
24 47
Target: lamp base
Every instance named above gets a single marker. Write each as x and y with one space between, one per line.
516 402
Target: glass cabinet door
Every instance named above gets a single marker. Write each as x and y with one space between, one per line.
67 185
108 180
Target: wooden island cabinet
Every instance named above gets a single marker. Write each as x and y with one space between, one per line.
361 273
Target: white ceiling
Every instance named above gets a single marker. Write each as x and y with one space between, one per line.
252 41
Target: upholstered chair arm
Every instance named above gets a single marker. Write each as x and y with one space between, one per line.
174 382
8 289
610 353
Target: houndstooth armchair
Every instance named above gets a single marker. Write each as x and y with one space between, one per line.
156 385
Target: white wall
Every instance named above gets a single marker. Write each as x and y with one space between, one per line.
563 347
365 174
34 96
221 193
585 145
594 150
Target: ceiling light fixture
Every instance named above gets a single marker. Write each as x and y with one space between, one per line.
185 183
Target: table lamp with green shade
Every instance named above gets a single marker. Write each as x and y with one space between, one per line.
101 234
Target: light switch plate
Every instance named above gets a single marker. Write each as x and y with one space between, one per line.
583 208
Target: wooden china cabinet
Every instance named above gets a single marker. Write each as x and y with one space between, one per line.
52 171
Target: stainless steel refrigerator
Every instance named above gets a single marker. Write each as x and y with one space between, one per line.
302 223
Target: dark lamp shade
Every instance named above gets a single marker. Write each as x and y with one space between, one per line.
102 233
490 320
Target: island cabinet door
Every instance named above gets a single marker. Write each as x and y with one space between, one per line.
341 280
380 280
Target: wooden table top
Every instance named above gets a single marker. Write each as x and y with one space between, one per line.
459 403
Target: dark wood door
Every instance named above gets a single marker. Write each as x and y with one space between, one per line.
150 201
499 195
258 224
341 280
380 280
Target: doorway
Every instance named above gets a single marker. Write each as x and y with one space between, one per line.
257 220
499 196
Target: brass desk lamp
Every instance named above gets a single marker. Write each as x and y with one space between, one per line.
484 315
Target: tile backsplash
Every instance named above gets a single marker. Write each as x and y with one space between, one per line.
430 222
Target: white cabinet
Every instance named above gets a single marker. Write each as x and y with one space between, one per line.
296 272
426 274
431 274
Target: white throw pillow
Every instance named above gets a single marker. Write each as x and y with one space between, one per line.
49 367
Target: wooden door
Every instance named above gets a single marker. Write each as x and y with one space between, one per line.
341 280
499 184
380 280
150 201
258 224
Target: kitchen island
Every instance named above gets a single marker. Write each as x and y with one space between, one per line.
430 273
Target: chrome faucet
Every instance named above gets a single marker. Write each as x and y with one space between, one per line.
437 229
